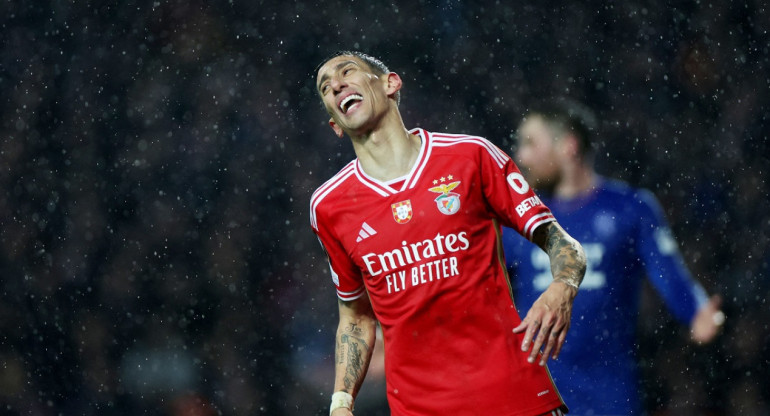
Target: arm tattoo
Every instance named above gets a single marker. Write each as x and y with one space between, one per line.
352 351
568 261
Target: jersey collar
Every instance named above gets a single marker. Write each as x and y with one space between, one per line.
411 179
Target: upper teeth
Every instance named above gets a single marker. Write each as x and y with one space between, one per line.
349 98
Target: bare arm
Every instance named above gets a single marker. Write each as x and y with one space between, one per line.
355 344
568 262
548 320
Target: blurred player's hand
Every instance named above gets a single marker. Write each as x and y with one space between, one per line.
708 321
547 322
342 411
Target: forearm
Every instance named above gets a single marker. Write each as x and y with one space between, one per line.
353 351
568 261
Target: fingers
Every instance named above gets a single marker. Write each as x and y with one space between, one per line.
538 335
551 340
539 341
548 336
530 326
550 343
560 342
546 324
529 336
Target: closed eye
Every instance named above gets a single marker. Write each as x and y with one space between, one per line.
343 68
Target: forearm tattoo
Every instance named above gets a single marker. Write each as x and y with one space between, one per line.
353 352
568 261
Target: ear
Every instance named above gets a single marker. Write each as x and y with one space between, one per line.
337 129
394 83
570 144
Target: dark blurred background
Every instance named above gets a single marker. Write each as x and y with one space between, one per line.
157 160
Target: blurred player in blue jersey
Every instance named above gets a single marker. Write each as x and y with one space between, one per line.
625 237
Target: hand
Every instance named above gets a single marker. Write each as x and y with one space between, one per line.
341 411
708 321
549 318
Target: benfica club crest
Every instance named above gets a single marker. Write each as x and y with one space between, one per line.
402 211
448 202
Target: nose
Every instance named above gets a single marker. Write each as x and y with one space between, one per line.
336 83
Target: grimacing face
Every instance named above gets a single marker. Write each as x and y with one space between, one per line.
538 153
353 94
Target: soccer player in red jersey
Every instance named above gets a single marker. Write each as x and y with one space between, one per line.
411 229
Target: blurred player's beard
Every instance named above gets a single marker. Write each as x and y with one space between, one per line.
543 183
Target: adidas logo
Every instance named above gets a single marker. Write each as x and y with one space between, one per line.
365 232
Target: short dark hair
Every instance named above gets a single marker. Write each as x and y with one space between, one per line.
566 115
375 64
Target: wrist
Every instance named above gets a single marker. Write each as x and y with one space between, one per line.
572 287
341 399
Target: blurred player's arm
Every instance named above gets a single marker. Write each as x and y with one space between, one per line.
354 346
548 320
684 296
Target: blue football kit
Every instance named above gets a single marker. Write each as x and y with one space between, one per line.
626 238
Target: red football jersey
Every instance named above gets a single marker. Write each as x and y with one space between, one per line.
428 254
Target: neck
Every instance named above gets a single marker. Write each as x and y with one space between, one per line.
388 152
577 178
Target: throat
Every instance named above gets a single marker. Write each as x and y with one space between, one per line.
390 159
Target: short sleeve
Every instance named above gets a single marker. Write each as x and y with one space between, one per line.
509 194
345 273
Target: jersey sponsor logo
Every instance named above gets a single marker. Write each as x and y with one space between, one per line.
528 204
366 231
402 211
410 253
518 183
422 273
448 202
430 260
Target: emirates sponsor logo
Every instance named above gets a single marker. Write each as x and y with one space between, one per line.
411 253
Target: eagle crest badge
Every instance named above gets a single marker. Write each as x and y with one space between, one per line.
448 202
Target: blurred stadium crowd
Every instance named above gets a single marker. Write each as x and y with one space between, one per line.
157 161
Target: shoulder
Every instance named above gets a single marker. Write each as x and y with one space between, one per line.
617 187
466 145
634 198
328 189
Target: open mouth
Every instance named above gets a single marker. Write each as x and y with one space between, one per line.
349 102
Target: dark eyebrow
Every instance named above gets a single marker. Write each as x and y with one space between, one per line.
325 76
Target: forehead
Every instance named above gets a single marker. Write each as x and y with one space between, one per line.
533 128
337 62
532 124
